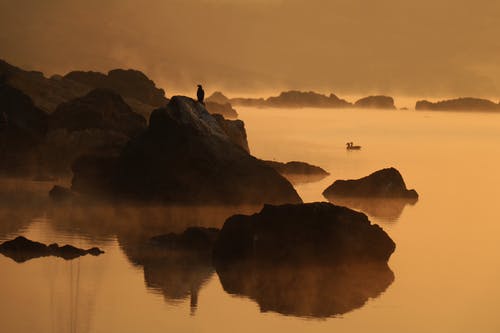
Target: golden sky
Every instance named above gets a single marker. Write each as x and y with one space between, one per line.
415 48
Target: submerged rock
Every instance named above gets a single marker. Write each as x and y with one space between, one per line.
385 183
22 249
299 172
309 233
459 104
376 102
184 156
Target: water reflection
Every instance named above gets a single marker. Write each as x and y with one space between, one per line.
389 210
307 290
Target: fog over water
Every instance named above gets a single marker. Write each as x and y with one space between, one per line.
413 48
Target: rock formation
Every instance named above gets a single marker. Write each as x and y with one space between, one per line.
217 97
99 109
298 172
224 109
376 102
235 131
308 233
22 249
183 157
385 183
459 104
295 99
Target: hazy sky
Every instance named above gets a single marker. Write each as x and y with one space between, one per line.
419 48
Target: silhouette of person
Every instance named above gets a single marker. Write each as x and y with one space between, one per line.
200 94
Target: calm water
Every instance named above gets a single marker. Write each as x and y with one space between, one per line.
446 264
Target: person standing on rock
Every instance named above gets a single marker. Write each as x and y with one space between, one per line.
200 94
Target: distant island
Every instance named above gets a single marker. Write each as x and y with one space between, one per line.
303 99
459 104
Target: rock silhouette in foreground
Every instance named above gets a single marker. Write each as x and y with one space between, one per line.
313 260
184 156
299 172
319 232
376 102
385 183
22 249
459 104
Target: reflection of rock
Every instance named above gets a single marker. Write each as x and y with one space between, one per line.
196 239
321 232
385 183
459 104
307 290
376 102
224 109
386 209
22 249
184 157
59 193
298 172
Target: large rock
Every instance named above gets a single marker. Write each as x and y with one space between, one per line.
376 102
299 172
101 109
235 130
22 249
224 109
385 183
459 104
184 157
128 83
308 233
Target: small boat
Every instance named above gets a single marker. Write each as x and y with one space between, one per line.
351 146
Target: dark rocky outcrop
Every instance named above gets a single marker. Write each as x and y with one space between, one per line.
385 183
127 83
22 249
312 260
183 157
99 109
23 128
309 233
307 290
376 102
298 172
224 109
60 193
385 209
217 97
459 104
235 130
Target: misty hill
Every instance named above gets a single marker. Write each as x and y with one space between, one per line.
217 97
376 102
48 93
459 104
224 109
